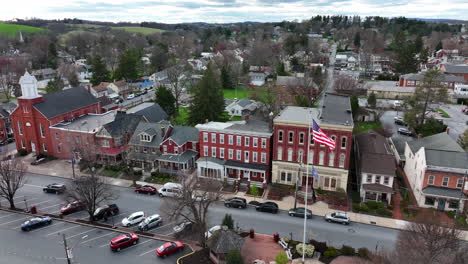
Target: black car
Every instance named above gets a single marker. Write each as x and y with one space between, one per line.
106 211
55 188
269 207
235 202
36 222
299 212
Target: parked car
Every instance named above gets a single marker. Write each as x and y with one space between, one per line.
133 219
337 217
183 226
146 189
404 131
169 248
300 212
211 231
106 211
36 222
123 241
199 197
236 202
55 188
254 203
130 96
399 121
150 222
170 189
72 207
269 207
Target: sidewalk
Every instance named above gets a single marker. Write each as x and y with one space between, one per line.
62 168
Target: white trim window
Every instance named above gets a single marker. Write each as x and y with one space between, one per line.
331 159
280 135
321 158
291 137
255 142
59 149
205 136
460 183
105 143
239 140
165 149
300 156
263 157
301 138
213 152
264 141
247 141
231 154
342 160
22 144
41 128
213 138
246 156
44 147
311 157
205 151
221 138
445 181
279 154
255 156
56 135
221 153
231 139
20 128
430 180
238 154
290 154
343 142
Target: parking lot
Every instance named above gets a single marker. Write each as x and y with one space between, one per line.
89 244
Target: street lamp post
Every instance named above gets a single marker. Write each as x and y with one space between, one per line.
297 185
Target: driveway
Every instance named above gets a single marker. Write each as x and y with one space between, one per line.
457 121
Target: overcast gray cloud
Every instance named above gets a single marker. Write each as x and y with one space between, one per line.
176 11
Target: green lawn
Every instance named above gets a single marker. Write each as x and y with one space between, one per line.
110 173
443 113
181 119
364 126
241 93
12 29
142 30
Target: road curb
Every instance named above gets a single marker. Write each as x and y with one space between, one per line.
122 230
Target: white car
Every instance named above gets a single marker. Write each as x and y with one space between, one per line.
211 231
130 96
182 226
134 219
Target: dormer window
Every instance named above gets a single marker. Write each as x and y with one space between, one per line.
145 137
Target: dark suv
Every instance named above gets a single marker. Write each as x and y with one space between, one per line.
105 211
235 202
54 188
270 207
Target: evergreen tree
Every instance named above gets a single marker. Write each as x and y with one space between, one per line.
234 257
418 44
405 54
357 40
165 99
439 46
354 105
52 58
280 71
372 100
228 221
100 72
208 99
128 65
54 85
226 80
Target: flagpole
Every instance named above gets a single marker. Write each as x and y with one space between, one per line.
307 187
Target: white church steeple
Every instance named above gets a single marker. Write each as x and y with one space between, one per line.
28 86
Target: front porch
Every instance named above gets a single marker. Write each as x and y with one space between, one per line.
174 164
246 173
376 192
145 161
443 199
110 156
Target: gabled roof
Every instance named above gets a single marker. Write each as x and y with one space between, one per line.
223 241
374 154
123 123
182 134
450 68
440 78
156 140
447 159
153 113
150 131
101 87
441 141
244 102
65 101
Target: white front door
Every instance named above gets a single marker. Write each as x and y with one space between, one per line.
33 147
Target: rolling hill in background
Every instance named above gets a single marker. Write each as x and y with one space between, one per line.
12 29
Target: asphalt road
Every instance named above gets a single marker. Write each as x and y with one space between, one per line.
356 234
457 121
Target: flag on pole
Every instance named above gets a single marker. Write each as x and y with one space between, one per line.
322 138
315 174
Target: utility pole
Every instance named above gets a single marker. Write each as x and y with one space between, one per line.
297 186
66 249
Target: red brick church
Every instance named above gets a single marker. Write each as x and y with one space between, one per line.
35 114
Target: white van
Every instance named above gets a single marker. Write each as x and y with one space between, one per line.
170 189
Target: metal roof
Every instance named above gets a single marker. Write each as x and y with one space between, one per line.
445 192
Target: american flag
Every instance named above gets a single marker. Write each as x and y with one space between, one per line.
322 138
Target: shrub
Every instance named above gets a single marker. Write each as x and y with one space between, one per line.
234 257
364 208
389 207
22 152
373 205
363 253
451 214
319 246
281 258
330 253
383 212
347 250
309 249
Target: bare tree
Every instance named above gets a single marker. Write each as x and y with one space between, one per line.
12 178
11 70
70 72
426 241
175 76
196 197
345 83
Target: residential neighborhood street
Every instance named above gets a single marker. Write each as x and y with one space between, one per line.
356 234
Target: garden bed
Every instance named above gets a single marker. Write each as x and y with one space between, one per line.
111 173
335 200
159 178
278 191
373 208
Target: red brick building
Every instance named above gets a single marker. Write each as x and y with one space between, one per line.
32 119
457 70
235 151
416 79
291 138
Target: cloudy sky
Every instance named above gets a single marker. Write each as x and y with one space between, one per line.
176 11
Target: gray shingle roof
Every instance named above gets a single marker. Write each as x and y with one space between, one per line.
251 126
156 139
440 78
223 241
448 159
65 101
151 131
441 141
450 68
183 134
153 113
123 123
336 110
399 142
439 191
244 102
377 187
183 158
